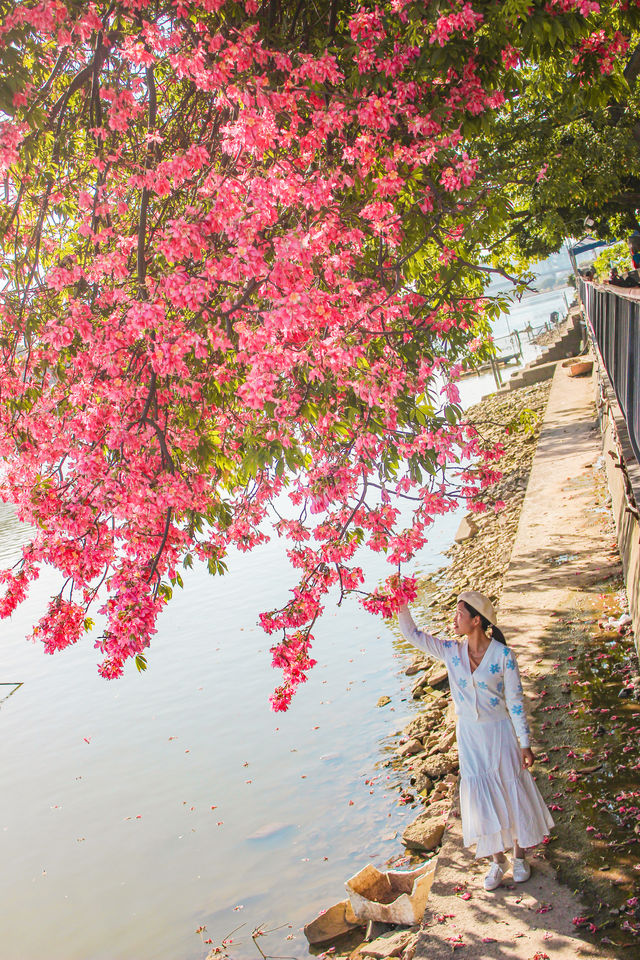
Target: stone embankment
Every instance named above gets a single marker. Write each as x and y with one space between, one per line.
479 560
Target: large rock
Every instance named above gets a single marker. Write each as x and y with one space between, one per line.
416 667
332 923
434 677
429 720
419 686
446 741
438 765
437 675
421 782
425 833
388 945
468 528
437 808
442 792
409 748
452 760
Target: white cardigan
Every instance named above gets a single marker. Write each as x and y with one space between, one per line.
492 691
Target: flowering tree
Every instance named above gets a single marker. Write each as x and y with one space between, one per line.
241 250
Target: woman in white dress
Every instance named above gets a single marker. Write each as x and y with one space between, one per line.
500 804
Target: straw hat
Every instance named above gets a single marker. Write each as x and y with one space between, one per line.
480 603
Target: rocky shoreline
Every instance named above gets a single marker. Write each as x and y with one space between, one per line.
479 559
589 753
426 748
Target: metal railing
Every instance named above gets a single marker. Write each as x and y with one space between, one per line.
614 321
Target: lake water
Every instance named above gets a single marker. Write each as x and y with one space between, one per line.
135 811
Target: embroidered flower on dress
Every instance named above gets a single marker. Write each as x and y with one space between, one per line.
494 701
519 688
482 684
517 709
462 682
500 686
495 668
448 643
506 651
511 664
456 661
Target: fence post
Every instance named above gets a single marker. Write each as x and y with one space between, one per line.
496 373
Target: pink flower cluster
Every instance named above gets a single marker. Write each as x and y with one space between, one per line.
62 625
11 136
604 48
16 586
462 20
387 601
228 343
291 656
585 7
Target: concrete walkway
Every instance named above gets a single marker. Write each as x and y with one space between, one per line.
531 920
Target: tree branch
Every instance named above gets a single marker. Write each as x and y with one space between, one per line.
141 265
632 68
163 543
101 54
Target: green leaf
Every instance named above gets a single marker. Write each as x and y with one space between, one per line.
451 414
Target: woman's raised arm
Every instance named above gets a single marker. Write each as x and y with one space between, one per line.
434 646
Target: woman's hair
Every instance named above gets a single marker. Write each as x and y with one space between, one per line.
496 632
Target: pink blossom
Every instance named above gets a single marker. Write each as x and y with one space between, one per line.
252 359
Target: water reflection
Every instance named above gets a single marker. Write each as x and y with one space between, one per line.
135 811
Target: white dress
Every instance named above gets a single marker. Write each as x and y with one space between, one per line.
499 801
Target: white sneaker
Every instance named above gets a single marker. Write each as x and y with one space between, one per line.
520 869
494 875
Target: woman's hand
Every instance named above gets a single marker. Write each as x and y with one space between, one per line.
527 757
